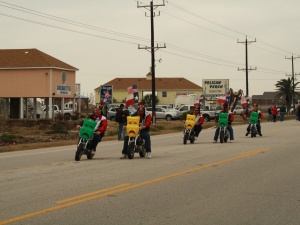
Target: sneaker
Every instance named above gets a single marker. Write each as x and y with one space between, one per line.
123 156
247 134
148 155
231 141
93 152
215 141
260 134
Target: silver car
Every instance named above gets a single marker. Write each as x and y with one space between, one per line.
162 113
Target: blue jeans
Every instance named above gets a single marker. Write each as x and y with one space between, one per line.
229 127
258 127
270 117
282 116
197 129
120 131
145 135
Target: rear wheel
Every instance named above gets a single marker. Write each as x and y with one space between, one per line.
89 155
185 138
79 152
130 150
221 136
142 151
192 140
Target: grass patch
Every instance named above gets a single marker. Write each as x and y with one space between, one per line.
56 132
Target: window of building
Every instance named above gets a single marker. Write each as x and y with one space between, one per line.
164 94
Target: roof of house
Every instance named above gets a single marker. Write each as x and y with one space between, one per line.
161 83
29 58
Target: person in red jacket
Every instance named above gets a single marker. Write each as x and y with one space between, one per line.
145 122
97 115
274 113
199 120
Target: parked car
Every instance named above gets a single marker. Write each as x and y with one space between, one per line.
111 113
162 113
238 110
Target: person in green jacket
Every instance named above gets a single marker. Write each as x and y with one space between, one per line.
282 111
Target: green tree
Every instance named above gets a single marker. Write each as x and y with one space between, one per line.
286 90
147 100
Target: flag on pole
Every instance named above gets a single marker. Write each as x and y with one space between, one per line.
107 95
222 99
244 101
132 89
132 98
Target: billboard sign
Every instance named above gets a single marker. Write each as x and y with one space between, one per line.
215 87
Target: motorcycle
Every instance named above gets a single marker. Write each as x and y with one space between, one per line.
253 121
136 144
86 135
188 132
223 123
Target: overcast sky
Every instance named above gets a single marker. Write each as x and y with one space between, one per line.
201 38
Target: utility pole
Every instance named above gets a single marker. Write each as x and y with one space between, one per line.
247 69
293 78
153 49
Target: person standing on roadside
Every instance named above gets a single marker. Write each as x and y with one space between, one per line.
274 113
121 119
270 118
298 112
282 112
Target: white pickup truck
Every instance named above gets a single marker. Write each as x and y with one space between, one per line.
207 114
56 111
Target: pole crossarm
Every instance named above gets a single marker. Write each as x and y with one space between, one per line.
149 6
155 48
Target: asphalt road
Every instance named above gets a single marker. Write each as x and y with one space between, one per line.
250 181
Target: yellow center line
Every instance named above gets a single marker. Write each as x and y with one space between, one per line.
91 193
129 187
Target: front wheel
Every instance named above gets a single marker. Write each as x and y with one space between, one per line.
185 137
221 136
130 150
253 132
79 152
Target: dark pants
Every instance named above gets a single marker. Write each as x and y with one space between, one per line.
121 125
96 140
197 129
274 118
229 127
145 135
258 127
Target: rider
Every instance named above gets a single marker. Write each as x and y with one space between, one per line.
145 121
97 115
199 120
229 127
260 116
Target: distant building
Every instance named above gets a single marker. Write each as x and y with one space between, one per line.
268 99
166 88
28 74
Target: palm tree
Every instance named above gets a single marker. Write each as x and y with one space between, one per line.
286 90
